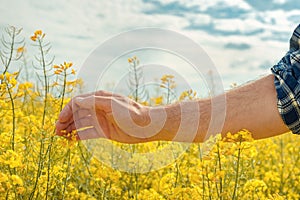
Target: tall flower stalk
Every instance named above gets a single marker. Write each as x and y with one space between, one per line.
11 53
237 169
62 71
44 66
136 81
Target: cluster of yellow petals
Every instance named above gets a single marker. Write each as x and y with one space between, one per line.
243 135
16 180
63 67
188 94
20 49
133 59
158 100
38 34
9 78
167 81
166 78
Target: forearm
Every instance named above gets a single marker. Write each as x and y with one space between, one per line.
252 107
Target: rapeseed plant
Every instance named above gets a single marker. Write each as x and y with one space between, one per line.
36 164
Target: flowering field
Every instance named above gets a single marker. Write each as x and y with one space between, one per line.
37 164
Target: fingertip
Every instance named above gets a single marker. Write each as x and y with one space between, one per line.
65 114
60 128
62 117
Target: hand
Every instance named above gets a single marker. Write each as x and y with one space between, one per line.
105 115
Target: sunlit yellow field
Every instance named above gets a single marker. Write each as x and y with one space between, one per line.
37 164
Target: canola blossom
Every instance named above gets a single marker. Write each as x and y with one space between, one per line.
37 164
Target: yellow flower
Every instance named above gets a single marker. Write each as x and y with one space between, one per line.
183 95
16 180
172 86
20 190
55 84
3 177
254 185
20 49
56 67
68 65
220 174
13 81
170 76
164 78
57 71
16 73
129 60
7 75
157 100
11 158
145 103
38 32
71 82
190 94
168 79
73 71
33 38
28 85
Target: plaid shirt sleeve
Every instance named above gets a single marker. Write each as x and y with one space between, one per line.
287 84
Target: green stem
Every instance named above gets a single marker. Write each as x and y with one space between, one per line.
203 176
208 185
220 169
51 137
11 50
14 118
168 94
136 82
45 81
41 156
49 166
136 186
64 91
86 163
67 172
237 171
40 165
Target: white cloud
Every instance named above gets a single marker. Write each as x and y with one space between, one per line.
199 18
203 5
238 4
279 1
278 19
76 27
241 25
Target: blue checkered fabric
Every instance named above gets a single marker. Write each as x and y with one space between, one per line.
287 83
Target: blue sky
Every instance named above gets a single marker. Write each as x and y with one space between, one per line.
243 38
